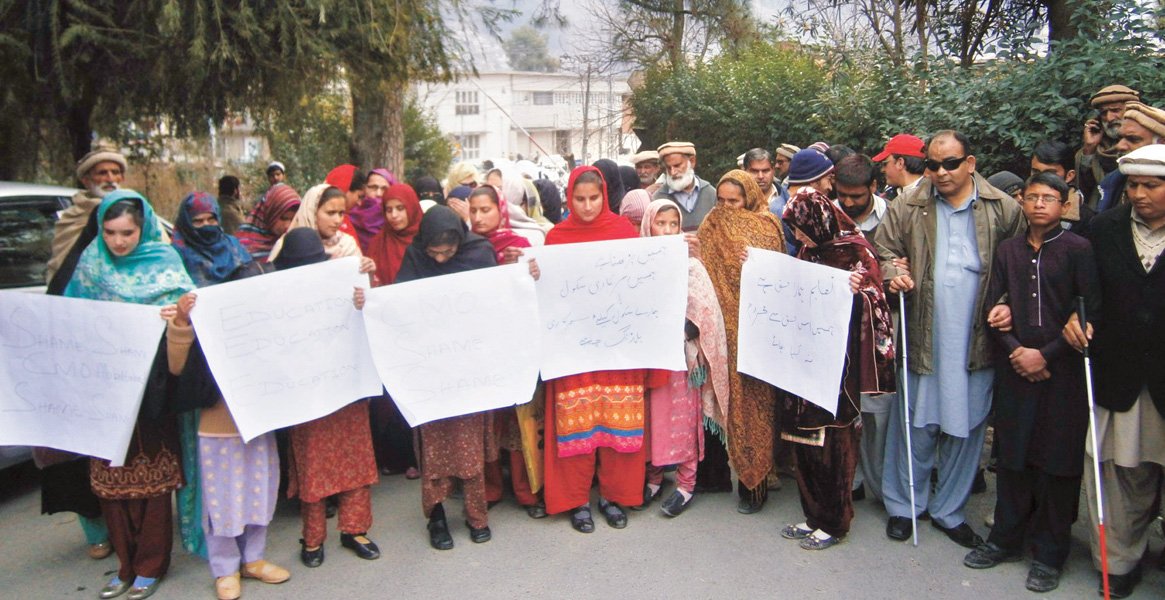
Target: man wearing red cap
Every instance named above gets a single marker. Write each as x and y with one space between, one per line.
903 163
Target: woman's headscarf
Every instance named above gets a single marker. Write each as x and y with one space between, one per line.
152 273
615 189
630 179
338 246
503 236
551 199
387 249
367 217
634 203
458 173
210 255
441 225
606 226
256 234
840 244
300 247
724 234
341 177
428 188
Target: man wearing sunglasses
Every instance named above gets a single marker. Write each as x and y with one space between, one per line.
947 229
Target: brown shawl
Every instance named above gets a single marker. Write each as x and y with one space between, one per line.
724 235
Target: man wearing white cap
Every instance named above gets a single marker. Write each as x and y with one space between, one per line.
694 196
100 172
781 162
1127 350
648 169
1140 126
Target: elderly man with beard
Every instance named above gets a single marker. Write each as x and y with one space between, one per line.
100 172
1141 126
1096 158
694 196
648 169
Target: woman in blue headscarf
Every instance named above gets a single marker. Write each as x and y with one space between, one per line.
210 255
130 262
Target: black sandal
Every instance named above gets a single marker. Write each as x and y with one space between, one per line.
616 518
581 519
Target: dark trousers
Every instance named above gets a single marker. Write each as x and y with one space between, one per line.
1039 504
713 473
825 477
392 438
142 534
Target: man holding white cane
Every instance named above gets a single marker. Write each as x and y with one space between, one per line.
1128 357
948 227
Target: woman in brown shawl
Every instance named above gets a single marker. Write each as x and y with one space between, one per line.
739 220
826 446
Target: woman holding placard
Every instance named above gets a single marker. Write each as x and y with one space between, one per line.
609 400
826 446
677 410
129 262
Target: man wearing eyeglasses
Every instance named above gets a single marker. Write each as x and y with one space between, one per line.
937 243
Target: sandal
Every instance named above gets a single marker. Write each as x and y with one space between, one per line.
616 518
813 542
581 520
796 532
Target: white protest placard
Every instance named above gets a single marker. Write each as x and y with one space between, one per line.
456 344
613 305
72 372
794 325
287 347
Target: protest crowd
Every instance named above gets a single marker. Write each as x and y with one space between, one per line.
968 294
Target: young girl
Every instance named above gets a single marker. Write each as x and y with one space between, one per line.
129 262
677 410
269 221
569 473
323 211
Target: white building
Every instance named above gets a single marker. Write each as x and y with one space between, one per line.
514 115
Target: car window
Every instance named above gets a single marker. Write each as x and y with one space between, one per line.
26 237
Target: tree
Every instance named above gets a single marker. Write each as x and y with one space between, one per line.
673 32
527 51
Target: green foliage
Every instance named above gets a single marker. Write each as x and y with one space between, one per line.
527 51
427 150
310 138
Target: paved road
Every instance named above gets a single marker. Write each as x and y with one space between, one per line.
709 552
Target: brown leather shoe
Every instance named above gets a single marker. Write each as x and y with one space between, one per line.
100 550
266 572
229 587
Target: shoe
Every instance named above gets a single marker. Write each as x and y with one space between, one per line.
859 494
961 534
899 528
479 536
141 592
1122 586
330 508
265 572
748 506
988 555
114 588
1042 578
100 550
366 550
675 505
311 558
439 537
412 473
793 532
980 484
581 520
648 497
229 587
615 516
536 511
813 542
773 482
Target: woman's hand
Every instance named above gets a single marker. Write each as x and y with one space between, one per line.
358 298
855 282
693 245
180 312
744 255
511 255
460 207
535 272
367 265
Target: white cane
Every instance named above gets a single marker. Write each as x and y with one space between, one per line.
906 416
1095 450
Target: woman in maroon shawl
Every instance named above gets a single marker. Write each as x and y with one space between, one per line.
826 446
607 395
489 217
269 221
391 434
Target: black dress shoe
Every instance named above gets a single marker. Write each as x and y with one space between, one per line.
581 520
1122 586
961 534
615 516
988 555
311 558
439 537
899 528
330 507
859 494
479 536
648 497
675 504
368 551
1042 578
536 511
749 505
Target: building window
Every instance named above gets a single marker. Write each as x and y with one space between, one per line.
470 146
467 103
543 98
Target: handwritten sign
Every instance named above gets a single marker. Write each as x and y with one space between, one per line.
288 347
794 325
613 305
456 344
72 372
